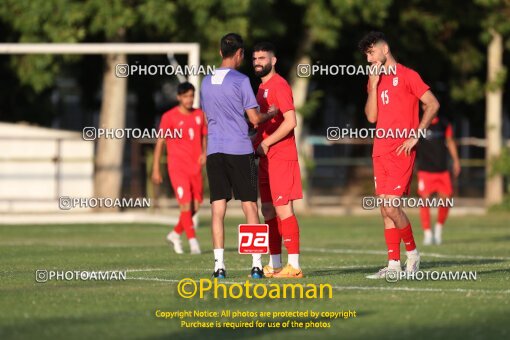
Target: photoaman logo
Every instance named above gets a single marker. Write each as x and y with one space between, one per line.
189 288
253 239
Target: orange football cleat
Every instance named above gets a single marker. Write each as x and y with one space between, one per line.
289 272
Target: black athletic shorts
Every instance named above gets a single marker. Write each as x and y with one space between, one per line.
227 173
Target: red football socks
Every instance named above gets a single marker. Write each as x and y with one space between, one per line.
425 217
442 214
178 227
290 234
275 238
392 237
407 236
187 223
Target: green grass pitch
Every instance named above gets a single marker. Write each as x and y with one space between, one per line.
335 250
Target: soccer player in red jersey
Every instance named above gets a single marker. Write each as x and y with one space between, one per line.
433 174
279 175
393 103
185 158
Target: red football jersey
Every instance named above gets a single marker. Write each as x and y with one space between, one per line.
183 153
276 91
397 106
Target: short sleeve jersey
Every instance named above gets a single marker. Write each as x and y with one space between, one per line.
276 91
225 96
183 153
398 98
432 152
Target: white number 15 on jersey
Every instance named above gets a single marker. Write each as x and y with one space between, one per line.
384 97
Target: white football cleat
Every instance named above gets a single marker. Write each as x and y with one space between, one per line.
194 246
427 238
196 220
413 262
175 239
382 273
438 234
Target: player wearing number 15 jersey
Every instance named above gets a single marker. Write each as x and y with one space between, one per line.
393 103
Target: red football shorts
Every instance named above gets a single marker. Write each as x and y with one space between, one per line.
187 187
434 182
279 181
392 173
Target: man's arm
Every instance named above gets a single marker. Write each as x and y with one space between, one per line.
156 173
430 107
371 105
256 118
288 124
203 156
452 148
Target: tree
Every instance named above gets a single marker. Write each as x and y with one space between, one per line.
494 113
322 23
63 21
449 30
496 26
116 21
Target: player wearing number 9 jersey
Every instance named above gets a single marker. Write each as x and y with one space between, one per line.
393 103
185 158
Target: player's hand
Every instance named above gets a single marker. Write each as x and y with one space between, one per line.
272 111
374 78
156 177
202 159
456 168
407 146
262 149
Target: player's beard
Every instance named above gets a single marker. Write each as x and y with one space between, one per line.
264 71
384 60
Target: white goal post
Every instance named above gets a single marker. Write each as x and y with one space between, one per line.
192 50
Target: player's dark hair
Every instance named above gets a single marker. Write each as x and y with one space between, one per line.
230 43
264 46
185 87
370 39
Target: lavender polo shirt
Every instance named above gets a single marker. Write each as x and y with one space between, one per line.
224 97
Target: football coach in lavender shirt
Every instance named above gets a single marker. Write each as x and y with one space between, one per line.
225 97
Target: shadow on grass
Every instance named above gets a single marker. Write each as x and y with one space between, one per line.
501 270
425 265
456 263
449 242
500 239
334 272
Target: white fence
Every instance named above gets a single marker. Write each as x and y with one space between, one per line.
38 165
